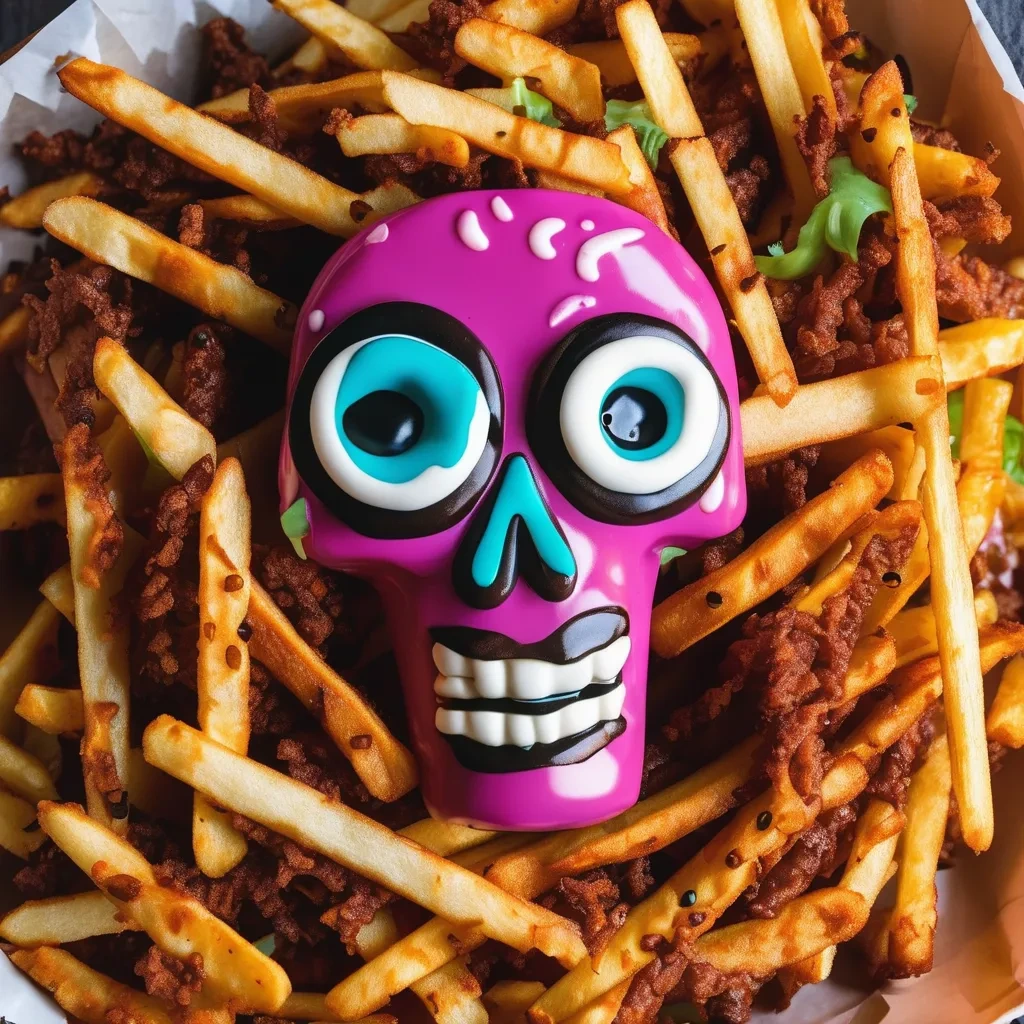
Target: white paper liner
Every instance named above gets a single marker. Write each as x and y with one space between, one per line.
962 76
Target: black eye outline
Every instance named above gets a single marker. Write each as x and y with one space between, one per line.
438 328
545 435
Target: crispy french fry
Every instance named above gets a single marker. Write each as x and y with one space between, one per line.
56 711
390 133
452 995
312 1006
17 815
580 157
58 589
415 11
695 164
612 60
177 923
386 767
1005 723
29 655
310 818
62 919
507 52
896 442
913 629
23 774
983 348
14 329
312 56
176 440
603 1010
86 994
30 499
108 236
26 211
883 396
772 561
222 679
804 43
390 197
762 30
537 16
982 484
248 210
882 93
945 174
507 1001
212 147
446 838
362 43
157 793
644 196
372 10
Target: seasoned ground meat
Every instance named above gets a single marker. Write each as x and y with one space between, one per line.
818 141
205 373
595 899
169 978
229 62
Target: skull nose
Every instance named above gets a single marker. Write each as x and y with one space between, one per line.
513 533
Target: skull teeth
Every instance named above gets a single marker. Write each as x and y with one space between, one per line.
524 678
497 729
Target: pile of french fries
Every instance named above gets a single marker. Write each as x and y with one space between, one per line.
883 432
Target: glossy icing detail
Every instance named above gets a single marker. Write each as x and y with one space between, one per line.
470 232
540 237
529 671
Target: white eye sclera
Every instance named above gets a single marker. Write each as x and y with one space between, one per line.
425 400
638 414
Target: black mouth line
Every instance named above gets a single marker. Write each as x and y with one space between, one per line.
478 757
575 639
541 706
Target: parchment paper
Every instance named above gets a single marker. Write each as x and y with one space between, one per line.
962 76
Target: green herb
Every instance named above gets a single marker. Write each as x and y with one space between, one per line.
910 101
295 523
527 103
266 944
649 135
836 223
669 555
1013 437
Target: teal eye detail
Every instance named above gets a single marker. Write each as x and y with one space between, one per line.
642 413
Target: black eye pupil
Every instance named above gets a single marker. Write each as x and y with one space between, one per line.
383 423
634 418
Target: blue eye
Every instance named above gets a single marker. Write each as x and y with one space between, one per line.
642 413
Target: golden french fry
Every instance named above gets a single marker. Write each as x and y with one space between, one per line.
177 923
883 396
212 147
896 442
390 133
445 838
23 774
372 10
772 561
14 329
981 348
365 45
17 815
26 211
248 210
86 994
390 197
108 236
312 1006
385 766
762 30
312 56
804 43
222 678
156 793
56 711
507 1001
126 460
613 62
62 919
338 832
697 168
28 656
644 196
882 94
415 11
1005 723
945 174
537 16
507 52
175 439
452 995
913 629
30 499
982 484
483 124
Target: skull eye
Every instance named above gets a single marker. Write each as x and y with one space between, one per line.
629 419
396 420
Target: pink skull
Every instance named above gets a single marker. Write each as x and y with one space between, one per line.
503 407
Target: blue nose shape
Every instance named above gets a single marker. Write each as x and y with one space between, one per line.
513 533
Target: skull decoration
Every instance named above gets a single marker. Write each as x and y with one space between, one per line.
502 407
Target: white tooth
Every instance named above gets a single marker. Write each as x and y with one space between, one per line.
520 730
491 678
449 663
455 686
608 662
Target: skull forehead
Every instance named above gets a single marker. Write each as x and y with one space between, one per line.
504 264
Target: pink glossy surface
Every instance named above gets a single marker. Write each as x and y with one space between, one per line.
506 295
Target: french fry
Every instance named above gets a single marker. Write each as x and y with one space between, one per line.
804 43
945 174
312 56
982 348
156 793
248 210
61 919
212 147
56 711
338 832
507 52
896 442
390 197
14 329
695 164
30 499
222 678
415 11
883 396
507 1001
537 16
446 838
1005 722
176 440
982 482
27 657
390 133
452 995
26 211
177 923
108 236
86 994
913 629
385 766
644 196
772 561
780 90
24 775
613 61
362 43
580 157
311 1006
882 93
17 815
